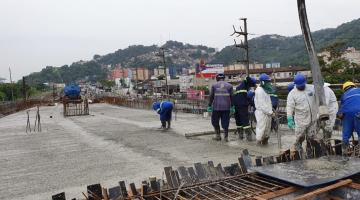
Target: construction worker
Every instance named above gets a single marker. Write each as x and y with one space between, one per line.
349 112
220 104
241 101
332 105
264 110
301 104
164 109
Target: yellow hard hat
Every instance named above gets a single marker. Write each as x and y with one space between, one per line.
348 84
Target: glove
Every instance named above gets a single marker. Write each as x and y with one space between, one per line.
209 109
232 110
291 123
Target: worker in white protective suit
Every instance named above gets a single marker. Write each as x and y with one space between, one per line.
301 112
332 105
264 109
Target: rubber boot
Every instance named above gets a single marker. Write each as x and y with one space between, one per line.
226 134
169 124
344 150
217 135
248 134
265 140
163 124
240 131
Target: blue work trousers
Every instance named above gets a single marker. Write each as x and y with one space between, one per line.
350 122
224 116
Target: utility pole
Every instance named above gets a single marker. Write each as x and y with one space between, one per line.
24 88
161 54
243 45
12 89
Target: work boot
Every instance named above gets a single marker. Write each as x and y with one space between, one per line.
344 150
169 124
163 125
248 134
240 131
226 133
265 140
217 135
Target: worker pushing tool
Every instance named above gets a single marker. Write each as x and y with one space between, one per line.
241 101
220 104
264 110
349 112
164 109
301 104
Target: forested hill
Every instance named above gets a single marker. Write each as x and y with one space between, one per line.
263 49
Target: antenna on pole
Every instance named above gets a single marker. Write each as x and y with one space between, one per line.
243 44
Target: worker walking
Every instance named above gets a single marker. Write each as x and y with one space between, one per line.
301 104
241 101
164 109
332 105
264 110
349 112
220 104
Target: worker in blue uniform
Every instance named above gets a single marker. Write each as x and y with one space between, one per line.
164 109
220 104
275 103
349 112
241 101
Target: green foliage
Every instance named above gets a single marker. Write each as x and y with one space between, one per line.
88 71
107 83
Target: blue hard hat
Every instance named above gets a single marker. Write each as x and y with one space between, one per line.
264 77
220 76
253 80
290 86
299 80
156 105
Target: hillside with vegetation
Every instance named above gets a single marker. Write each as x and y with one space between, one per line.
263 49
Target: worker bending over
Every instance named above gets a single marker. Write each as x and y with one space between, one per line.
220 104
264 110
301 104
241 101
164 109
350 113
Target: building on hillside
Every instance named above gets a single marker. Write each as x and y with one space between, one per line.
280 74
119 73
352 55
160 71
241 66
140 74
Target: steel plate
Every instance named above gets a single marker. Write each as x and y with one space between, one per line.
312 172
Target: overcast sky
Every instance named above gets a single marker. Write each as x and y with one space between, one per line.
38 33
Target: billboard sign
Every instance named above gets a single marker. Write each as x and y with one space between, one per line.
208 70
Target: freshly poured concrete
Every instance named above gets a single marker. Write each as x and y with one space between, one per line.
111 144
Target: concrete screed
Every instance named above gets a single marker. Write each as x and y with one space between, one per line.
111 144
